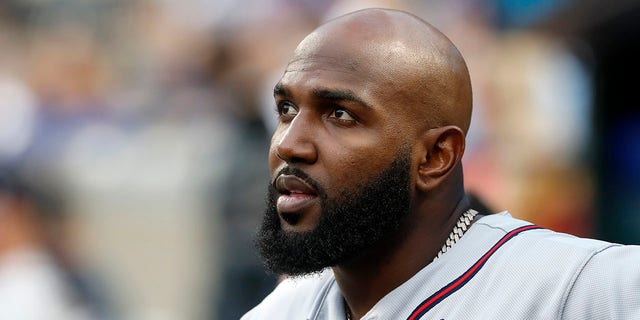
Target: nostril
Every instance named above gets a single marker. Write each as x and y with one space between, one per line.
280 156
297 160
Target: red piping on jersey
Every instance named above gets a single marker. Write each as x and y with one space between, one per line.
458 283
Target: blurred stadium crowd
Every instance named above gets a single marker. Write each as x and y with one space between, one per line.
134 134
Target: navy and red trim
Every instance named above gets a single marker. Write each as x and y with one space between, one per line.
458 283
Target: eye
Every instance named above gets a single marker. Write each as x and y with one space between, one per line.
286 109
341 114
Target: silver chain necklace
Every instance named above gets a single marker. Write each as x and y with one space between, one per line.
459 229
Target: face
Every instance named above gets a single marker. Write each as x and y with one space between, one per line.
338 124
340 131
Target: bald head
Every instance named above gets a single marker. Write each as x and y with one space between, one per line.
410 62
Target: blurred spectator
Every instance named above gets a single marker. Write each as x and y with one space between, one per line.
17 119
37 281
240 70
243 281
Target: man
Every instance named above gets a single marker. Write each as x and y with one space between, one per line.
366 210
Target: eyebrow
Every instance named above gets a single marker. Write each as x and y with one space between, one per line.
280 90
326 94
339 95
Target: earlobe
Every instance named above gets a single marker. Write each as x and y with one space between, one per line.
442 151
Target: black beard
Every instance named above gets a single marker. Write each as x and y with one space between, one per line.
347 227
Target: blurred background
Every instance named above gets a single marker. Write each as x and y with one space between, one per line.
134 134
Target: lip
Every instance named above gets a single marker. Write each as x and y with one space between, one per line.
295 194
289 184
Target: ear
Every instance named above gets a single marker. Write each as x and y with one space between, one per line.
441 152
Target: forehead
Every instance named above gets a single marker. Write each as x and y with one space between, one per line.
319 67
330 62
338 48
322 71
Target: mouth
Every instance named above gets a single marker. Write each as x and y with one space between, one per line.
294 195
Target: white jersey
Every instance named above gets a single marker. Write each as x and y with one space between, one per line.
502 268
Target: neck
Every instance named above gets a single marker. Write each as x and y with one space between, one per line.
368 278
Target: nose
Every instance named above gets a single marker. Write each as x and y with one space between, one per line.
294 142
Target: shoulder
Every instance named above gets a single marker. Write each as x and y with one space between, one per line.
607 286
293 298
536 239
537 248
539 257
594 279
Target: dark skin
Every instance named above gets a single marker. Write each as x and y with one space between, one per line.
358 90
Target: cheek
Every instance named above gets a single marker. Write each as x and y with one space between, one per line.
365 159
369 154
347 168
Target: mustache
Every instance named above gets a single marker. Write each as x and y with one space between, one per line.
288 170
